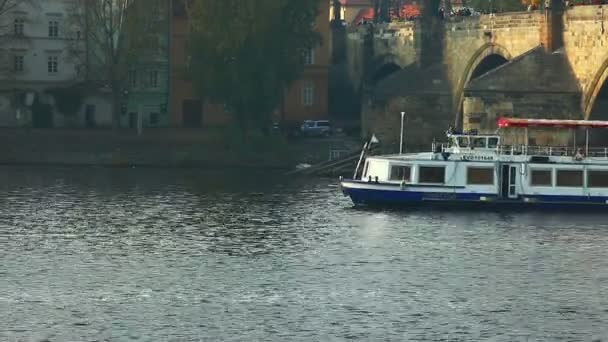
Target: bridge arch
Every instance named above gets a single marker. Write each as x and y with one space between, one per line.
486 58
595 103
382 67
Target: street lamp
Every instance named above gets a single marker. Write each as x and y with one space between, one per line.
401 140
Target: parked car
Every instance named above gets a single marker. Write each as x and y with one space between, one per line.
316 128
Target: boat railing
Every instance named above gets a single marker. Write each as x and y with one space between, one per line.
557 151
533 150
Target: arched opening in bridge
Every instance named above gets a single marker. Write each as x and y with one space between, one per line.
489 63
384 71
599 137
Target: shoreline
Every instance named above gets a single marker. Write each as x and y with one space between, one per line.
184 166
163 148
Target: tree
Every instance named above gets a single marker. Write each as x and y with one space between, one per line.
117 31
246 53
9 5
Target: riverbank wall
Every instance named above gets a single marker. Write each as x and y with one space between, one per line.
163 148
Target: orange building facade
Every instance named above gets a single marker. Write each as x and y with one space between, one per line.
187 108
307 98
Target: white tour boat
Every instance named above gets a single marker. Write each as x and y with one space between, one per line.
475 169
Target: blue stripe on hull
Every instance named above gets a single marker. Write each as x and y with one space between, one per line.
374 197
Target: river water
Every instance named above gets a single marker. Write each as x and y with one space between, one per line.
164 255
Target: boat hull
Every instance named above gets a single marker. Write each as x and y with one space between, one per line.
391 195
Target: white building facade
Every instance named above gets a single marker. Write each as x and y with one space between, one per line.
42 49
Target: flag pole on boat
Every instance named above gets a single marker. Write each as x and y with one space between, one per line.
367 145
401 139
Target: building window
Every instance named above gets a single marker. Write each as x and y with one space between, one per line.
309 57
432 174
52 64
480 176
133 78
153 78
308 94
570 178
53 28
597 179
540 178
400 173
19 24
19 63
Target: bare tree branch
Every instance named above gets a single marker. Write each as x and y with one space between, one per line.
117 31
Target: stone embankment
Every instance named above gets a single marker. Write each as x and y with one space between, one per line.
161 148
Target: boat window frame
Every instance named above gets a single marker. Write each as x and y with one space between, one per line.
475 139
481 167
464 138
419 173
408 166
588 171
552 177
582 185
497 142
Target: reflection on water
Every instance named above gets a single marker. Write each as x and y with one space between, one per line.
183 255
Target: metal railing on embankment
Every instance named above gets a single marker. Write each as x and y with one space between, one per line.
344 165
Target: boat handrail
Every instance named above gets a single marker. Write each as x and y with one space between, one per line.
533 150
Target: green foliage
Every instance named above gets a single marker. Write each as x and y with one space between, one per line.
68 100
245 53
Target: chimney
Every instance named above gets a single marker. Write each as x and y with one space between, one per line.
552 25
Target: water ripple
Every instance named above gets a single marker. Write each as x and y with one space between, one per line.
166 255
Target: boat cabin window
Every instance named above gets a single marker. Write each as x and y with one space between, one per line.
400 173
540 178
479 142
597 179
493 142
463 141
570 178
480 176
432 174
365 169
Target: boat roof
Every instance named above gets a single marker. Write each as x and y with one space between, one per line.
517 122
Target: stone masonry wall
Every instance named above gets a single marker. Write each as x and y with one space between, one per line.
469 40
586 44
394 42
483 110
424 122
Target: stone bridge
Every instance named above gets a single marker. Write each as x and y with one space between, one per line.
431 68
